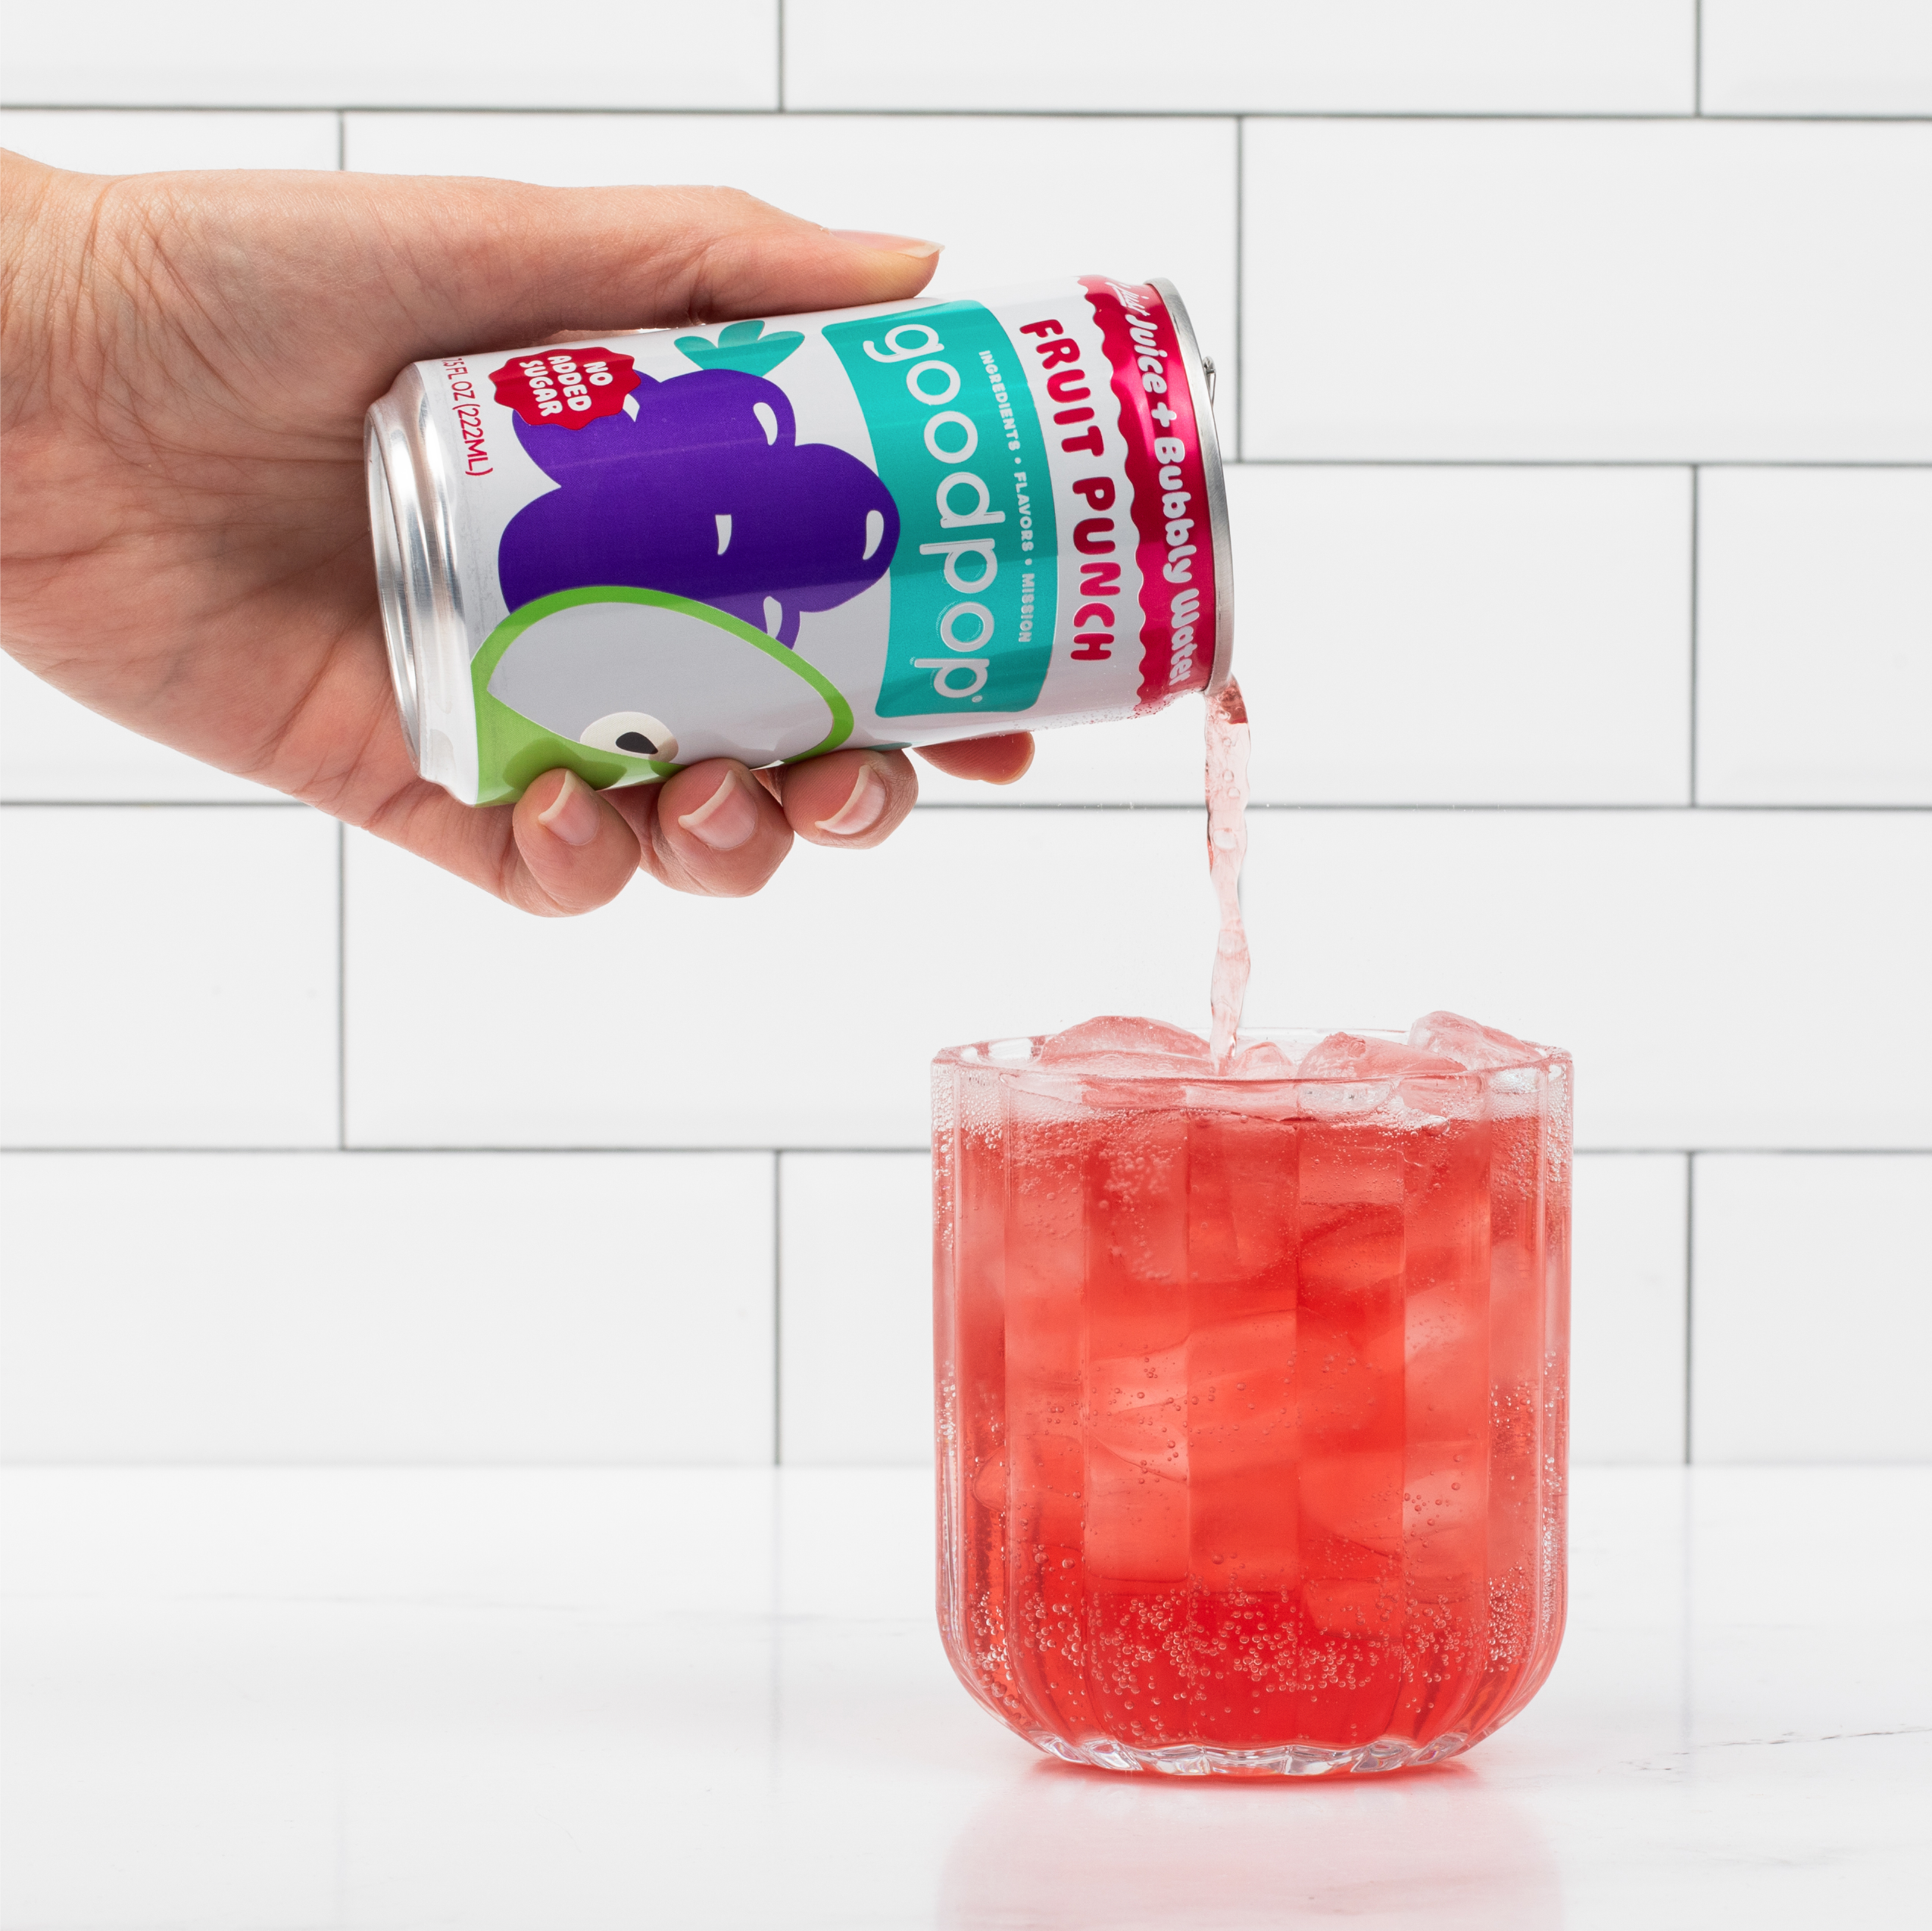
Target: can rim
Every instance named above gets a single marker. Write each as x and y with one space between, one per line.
1200 388
391 575
419 586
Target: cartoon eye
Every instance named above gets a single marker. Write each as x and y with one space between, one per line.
637 733
767 420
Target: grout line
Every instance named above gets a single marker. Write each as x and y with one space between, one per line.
427 109
1264 804
778 1309
1689 1280
13 1465
342 989
1697 535
1240 283
901 1148
1697 59
1002 807
154 804
780 6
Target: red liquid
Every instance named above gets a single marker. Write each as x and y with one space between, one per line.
1251 1412
1227 848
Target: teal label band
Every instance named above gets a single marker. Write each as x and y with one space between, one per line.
957 440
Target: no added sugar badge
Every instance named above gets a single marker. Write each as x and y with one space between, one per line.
568 386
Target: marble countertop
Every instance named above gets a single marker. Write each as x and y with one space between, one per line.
279 1699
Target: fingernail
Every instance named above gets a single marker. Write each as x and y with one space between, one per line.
867 237
861 810
727 819
573 816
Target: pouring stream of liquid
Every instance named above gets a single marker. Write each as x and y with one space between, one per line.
1227 846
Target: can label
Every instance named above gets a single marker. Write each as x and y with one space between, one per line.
935 519
958 442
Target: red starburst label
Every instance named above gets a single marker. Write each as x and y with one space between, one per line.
572 386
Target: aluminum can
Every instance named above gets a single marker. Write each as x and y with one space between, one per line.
897 525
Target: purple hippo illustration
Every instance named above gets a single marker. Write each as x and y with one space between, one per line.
705 492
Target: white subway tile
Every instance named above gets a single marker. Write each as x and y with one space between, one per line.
1429 634
1652 290
1627 1308
424 1308
1818 57
1465 635
1154 197
226 53
1334 56
805 1016
1814 636
53 749
119 141
170 976
1812 1313
1741 979
855 1308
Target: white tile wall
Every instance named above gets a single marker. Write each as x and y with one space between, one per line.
1811 1323
1818 57
1721 977
974 185
1689 290
367 53
803 1017
413 1307
170 976
855 1308
1482 356
1309 56
1628 1307
118 142
1814 636
1429 634
1423 635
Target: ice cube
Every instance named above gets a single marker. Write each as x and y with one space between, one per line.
1261 1059
1115 1033
1348 1056
1336 1057
1477 1049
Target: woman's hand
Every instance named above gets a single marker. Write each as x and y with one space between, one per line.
186 524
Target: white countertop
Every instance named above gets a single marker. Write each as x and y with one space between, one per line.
280 1699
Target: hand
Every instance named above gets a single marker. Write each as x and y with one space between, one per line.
186 532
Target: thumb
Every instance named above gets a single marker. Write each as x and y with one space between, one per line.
487 262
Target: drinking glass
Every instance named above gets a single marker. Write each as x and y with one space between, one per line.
1252 1404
